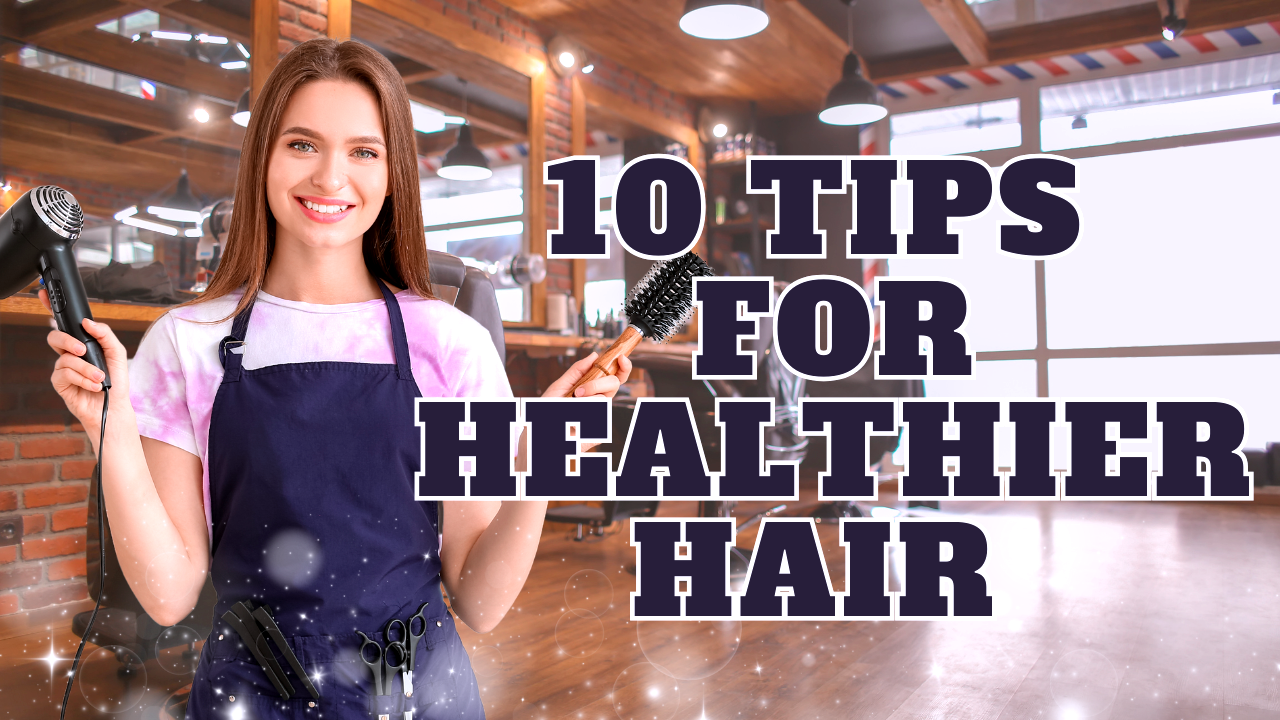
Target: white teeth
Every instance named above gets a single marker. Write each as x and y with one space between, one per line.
326 209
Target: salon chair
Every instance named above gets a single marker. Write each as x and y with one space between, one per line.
122 622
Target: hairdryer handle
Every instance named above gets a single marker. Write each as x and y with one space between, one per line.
70 304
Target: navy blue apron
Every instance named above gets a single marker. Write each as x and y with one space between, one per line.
311 481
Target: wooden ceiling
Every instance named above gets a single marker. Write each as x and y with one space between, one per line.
787 68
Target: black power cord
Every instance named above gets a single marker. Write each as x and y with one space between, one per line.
102 556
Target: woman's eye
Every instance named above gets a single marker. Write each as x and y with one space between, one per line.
302 146
365 154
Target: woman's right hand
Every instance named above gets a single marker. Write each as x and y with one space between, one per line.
79 382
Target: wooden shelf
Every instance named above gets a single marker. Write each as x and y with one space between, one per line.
27 310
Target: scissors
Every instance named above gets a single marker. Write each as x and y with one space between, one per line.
383 658
413 646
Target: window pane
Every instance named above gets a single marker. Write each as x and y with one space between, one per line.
1176 246
1000 288
1181 101
1246 380
994 379
960 129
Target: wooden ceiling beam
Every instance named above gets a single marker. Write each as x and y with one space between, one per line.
204 16
412 37
95 136
54 147
77 98
957 20
478 116
119 53
48 18
1097 31
460 35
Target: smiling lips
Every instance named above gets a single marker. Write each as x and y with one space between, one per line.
324 212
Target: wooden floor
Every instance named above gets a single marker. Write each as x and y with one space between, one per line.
1110 610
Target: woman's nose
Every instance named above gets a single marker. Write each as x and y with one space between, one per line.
330 176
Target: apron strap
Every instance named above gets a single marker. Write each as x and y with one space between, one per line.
398 338
231 347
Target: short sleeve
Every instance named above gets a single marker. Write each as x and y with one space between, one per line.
480 371
158 388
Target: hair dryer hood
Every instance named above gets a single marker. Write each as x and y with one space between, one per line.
45 219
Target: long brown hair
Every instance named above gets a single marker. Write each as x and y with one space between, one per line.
395 248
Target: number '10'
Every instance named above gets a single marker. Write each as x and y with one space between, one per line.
646 227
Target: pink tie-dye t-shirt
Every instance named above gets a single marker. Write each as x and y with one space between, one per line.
175 374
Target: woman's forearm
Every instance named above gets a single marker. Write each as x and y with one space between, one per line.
165 574
495 570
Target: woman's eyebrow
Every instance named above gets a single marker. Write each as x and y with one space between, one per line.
365 140
305 132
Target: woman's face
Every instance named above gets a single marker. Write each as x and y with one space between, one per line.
327 174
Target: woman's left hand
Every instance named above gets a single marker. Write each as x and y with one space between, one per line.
605 386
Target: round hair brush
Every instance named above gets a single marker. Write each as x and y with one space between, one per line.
658 305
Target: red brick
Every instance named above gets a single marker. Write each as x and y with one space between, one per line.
8 451
9 604
25 473
69 568
70 518
52 447
43 425
46 595
316 22
56 495
288 13
296 32
8 554
52 546
8 401
11 578
32 524
8 500
77 469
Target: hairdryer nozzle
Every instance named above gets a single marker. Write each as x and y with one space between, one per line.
59 210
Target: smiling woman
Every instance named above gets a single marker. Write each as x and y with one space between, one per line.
276 452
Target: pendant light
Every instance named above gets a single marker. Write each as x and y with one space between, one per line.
853 100
465 161
181 206
723 19
241 115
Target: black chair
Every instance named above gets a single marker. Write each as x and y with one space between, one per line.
122 621
597 518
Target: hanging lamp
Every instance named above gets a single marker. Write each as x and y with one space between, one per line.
853 100
241 115
465 161
723 19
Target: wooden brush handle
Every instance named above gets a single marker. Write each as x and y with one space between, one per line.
605 364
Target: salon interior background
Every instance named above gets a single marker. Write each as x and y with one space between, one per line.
91 105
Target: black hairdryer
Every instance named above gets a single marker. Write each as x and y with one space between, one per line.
36 236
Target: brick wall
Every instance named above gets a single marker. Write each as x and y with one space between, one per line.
45 464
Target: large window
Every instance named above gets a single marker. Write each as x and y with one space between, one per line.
1169 291
957 129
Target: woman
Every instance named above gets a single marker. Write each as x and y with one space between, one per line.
269 439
